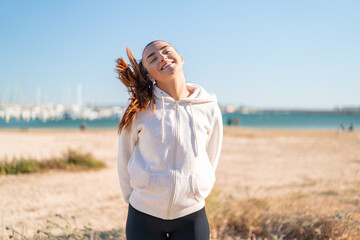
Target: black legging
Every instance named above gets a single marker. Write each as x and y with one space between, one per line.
141 226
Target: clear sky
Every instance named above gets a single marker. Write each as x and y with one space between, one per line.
272 54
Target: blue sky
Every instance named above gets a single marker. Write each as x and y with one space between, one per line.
271 54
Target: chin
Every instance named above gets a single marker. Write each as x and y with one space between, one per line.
170 71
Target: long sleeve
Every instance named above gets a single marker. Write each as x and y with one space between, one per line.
215 141
127 142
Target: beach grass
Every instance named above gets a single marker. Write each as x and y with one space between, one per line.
65 229
71 160
281 218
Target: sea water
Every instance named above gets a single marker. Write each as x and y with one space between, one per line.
293 120
253 120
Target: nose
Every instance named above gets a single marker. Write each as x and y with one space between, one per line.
163 58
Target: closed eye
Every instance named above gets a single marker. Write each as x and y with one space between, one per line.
153 60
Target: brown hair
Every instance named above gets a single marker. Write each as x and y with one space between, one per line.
140 88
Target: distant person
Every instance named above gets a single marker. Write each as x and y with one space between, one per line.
83 126
342 128
237 121
229 122
351 127
170 137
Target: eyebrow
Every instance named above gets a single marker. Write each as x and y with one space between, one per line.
154 52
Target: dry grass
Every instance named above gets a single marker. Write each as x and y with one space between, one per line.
64 229
291 217
71 160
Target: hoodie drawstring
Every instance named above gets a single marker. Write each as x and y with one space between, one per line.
193 125
162 120
194 129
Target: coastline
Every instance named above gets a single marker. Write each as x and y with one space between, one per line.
261 120
235 128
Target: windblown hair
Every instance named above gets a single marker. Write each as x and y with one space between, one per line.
140 88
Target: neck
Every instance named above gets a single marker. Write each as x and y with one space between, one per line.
175 87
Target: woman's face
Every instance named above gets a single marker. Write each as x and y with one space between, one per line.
161 61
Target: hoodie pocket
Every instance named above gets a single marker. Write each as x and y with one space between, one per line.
201 185
139 177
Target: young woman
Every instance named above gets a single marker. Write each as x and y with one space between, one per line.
169 146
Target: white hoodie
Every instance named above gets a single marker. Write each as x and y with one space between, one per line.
167 161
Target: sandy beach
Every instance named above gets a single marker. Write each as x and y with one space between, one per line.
323 165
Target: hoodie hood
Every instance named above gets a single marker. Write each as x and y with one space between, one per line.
199 94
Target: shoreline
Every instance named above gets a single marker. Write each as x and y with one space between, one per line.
240 128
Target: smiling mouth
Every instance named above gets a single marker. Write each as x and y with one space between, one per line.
166 65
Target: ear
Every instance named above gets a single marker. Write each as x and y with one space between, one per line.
151 78
182 59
